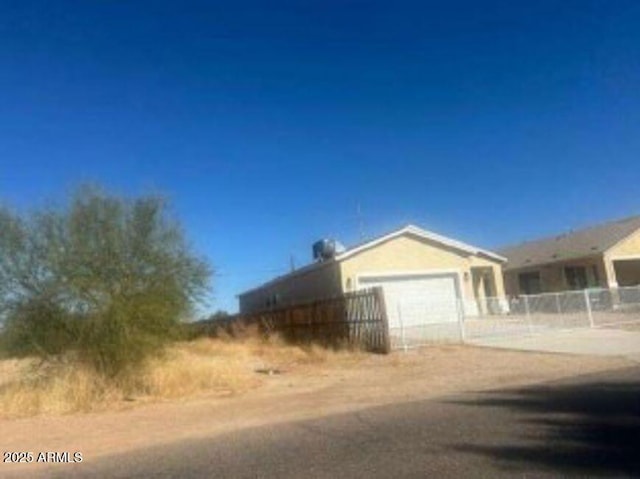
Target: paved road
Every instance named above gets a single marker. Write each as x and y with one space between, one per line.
585 426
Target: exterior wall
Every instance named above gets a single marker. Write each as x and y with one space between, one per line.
477 261
627 249
478 286
316 283
552 277
510 279
409 254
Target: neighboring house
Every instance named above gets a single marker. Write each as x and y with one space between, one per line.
606 256
423 276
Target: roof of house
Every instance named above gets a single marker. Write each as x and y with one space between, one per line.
423 234
408 229
574 244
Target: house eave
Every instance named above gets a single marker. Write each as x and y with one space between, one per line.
558 261
427 235
288 276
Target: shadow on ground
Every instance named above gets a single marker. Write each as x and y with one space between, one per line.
591 427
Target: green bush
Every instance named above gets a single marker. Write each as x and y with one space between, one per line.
106 278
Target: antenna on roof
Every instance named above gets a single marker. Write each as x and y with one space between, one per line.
360 221
292 263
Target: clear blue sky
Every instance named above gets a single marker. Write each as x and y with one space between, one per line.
268 123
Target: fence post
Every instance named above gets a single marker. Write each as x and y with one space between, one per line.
527 313
460 309
386 342
402 337
587 302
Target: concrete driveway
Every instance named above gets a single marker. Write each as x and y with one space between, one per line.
598 342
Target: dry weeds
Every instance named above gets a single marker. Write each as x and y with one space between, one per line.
217 367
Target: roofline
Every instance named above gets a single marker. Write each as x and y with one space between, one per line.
621 240
424 234
600 252
292 274
552 237
595 254
410 229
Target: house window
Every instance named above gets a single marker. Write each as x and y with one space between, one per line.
530 283
273 300
576 277
596 276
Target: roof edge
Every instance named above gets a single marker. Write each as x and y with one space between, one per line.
408 229
425 234
551 237
532 246
292 274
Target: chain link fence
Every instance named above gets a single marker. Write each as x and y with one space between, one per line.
447 321
416 323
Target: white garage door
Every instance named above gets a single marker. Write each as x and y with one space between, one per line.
415 300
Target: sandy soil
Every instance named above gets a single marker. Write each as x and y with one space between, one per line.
628 326
302 392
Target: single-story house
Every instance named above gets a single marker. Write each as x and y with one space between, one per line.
419 271
603 256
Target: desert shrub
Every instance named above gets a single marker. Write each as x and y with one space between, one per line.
106 278
40 327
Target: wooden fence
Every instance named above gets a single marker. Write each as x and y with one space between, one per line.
355 319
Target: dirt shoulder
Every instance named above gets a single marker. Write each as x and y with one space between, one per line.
302 392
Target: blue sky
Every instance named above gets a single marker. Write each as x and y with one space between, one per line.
269 124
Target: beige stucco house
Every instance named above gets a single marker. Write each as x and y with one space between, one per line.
418 270
606 256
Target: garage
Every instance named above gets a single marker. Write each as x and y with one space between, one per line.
424 277
414 300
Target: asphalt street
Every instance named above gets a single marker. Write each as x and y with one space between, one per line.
586 426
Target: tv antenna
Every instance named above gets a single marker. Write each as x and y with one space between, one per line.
360 221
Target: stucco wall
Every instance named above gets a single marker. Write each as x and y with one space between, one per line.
412 254
316 283
627 247
479 261
619 261
552 276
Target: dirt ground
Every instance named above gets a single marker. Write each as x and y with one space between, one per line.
628 326
302 392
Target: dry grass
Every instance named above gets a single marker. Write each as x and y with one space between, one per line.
222 366
624 326
10 368
52 389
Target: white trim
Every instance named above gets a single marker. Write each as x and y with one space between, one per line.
626 257
424 234
456 272
407 272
